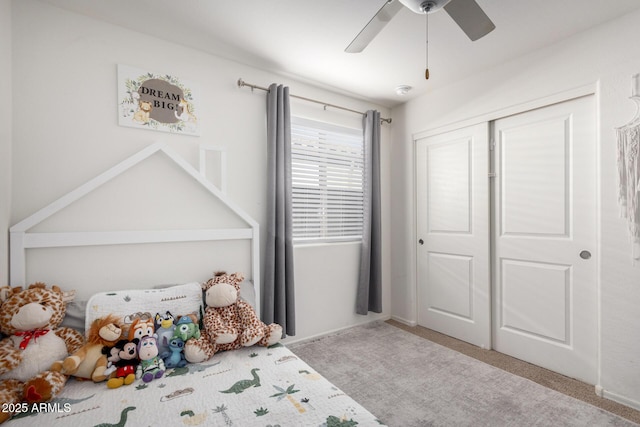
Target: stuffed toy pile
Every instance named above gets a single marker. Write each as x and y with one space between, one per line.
37 356
30 320
229 322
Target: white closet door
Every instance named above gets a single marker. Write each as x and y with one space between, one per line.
545 238
453 234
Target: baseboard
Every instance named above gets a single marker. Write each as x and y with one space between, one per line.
294 340
617 398
411 323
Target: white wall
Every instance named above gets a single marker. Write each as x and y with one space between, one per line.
5 134
606 56
65 132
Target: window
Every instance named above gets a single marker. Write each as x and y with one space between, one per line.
327 163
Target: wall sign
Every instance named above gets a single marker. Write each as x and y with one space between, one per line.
159 102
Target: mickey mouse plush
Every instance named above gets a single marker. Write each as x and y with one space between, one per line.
124 357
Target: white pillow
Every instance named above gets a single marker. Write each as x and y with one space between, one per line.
179 300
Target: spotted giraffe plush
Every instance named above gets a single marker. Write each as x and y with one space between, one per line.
30 319
4 291
229 322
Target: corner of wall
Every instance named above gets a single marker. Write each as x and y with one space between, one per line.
6 120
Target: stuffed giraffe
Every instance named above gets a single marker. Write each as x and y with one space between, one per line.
229 322
30 319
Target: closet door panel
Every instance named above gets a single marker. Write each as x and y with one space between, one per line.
453 234
545 295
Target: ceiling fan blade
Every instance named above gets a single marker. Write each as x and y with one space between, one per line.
374 26
470 17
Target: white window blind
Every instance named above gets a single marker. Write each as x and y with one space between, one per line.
327 163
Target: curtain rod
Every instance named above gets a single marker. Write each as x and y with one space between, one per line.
242 83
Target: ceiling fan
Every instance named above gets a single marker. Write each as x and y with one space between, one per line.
466 13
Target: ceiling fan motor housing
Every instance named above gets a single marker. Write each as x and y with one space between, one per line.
424 6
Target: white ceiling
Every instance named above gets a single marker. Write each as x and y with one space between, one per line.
306 39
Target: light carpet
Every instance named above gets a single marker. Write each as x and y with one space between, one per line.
409 381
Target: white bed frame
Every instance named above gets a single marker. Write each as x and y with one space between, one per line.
21 239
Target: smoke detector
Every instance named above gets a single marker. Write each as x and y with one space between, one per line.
403 89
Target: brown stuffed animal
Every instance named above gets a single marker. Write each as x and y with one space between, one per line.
89 362
229 322
31 318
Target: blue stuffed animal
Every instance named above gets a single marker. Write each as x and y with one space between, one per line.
165 327
175 357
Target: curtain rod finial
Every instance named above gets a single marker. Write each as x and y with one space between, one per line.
240 82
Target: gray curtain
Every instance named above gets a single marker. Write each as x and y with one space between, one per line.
278 283
369 297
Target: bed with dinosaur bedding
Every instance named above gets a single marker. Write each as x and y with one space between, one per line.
253 385
250 386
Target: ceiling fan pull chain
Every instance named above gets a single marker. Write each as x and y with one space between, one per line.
426 71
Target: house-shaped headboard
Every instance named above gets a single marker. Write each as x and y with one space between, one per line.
21 239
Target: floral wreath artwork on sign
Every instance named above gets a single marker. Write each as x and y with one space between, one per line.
158 102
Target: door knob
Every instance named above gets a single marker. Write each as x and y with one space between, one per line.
421 241
585 254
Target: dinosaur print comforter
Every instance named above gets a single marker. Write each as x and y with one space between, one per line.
254 386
